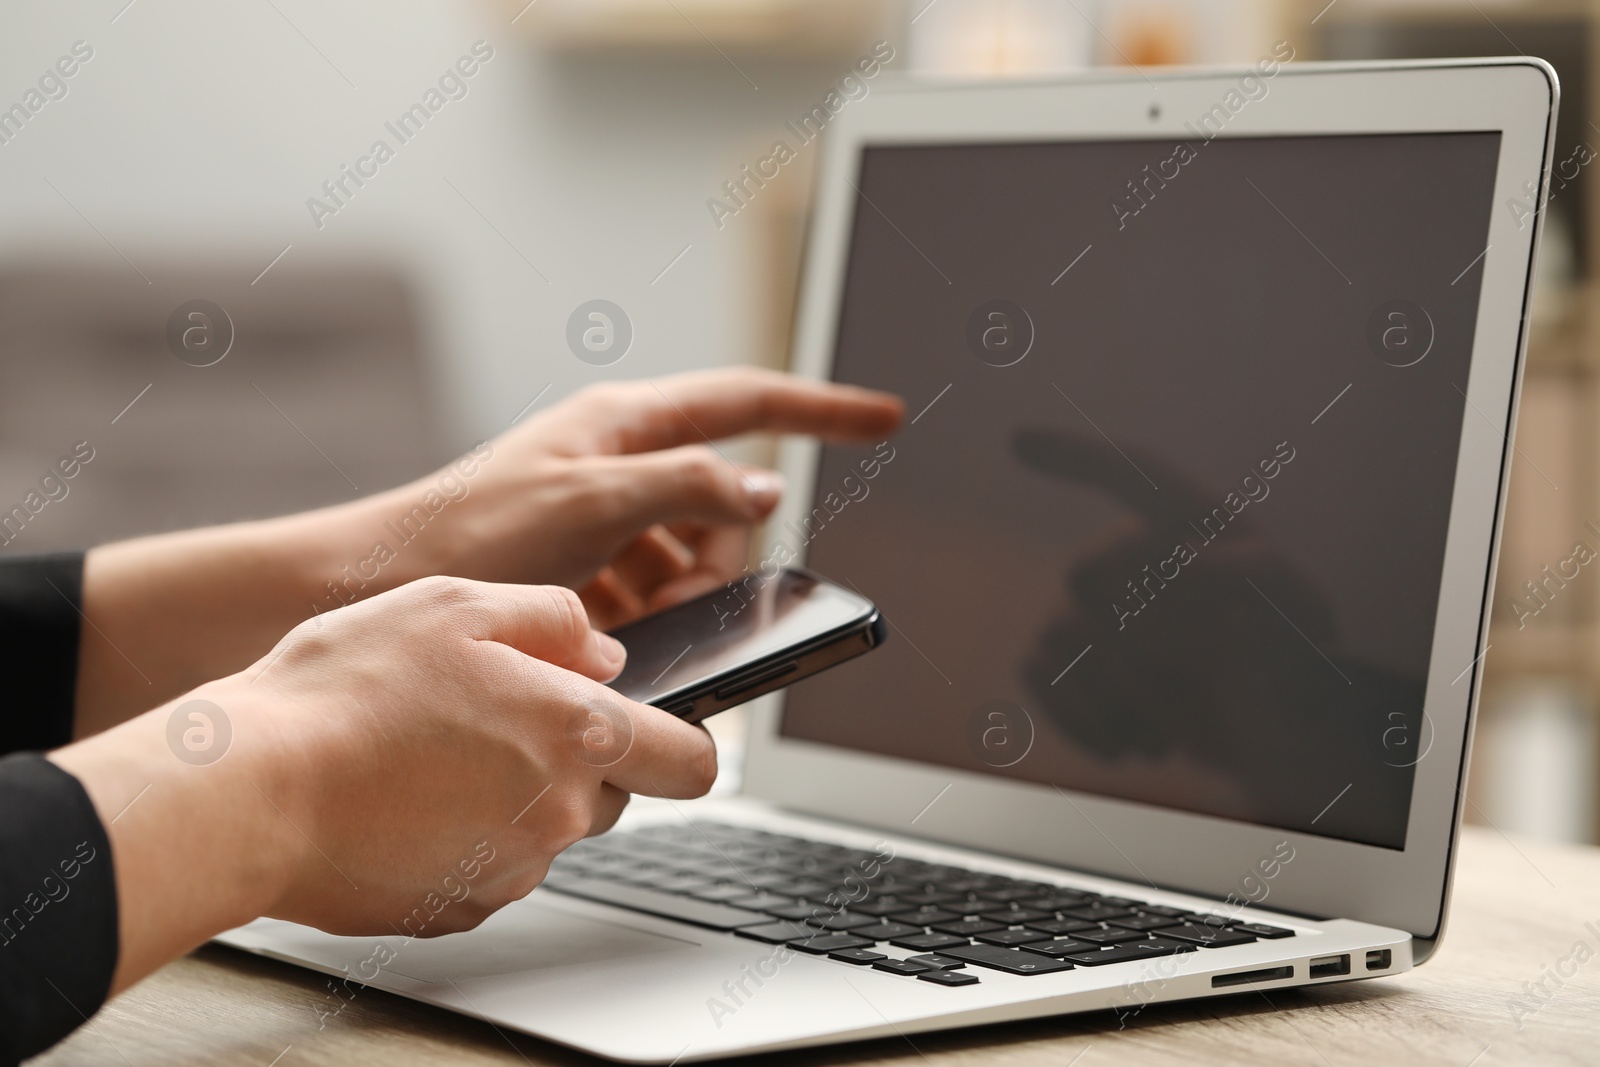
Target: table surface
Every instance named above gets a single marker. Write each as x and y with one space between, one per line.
1520 912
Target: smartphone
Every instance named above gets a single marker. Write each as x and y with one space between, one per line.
750 637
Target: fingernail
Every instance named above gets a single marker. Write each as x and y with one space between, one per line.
610 648
763 487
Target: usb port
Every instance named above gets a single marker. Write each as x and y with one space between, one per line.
1330 966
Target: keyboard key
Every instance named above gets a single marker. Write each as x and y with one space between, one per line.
1012 937
767 880
759 902
843 920
1096 912
1015 916
1157 909
924 916
886 931
968 927
1061 926
1058 947
880 906
1206 936
1141 922
948 978
822 944
1005 959
796 912
1263 930
1133 950
929 898
722 892
857 955
716 871
933 959
1006 894
654 902
774 933
901 967
928 942
1108 937
803 888
684 883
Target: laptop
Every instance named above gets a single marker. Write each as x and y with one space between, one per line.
1186 550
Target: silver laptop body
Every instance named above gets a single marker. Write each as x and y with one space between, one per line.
1187 550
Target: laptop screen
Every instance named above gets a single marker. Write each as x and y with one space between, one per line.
1167 521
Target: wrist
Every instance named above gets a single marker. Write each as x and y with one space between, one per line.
188 794
357 550
171 612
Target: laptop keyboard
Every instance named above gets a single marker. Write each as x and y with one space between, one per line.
859 906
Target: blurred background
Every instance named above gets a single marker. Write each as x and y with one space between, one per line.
425 306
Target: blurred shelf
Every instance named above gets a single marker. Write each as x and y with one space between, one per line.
1559 346
1444 11
1540 649
799 27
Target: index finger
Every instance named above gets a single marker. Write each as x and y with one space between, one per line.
708 405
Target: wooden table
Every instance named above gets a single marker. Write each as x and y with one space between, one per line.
1520 909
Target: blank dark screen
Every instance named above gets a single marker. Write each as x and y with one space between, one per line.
1169 524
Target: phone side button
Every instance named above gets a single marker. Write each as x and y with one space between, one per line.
741 685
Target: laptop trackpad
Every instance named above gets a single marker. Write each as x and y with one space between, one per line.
538 934
542 934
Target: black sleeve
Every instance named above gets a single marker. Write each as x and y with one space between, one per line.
39 625
58 894
58 932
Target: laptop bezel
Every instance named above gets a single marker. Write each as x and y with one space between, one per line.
1404 889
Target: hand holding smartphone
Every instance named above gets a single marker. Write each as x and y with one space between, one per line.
750 637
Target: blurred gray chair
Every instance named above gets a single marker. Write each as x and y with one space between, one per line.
324 394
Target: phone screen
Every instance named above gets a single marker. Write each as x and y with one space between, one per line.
736 626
